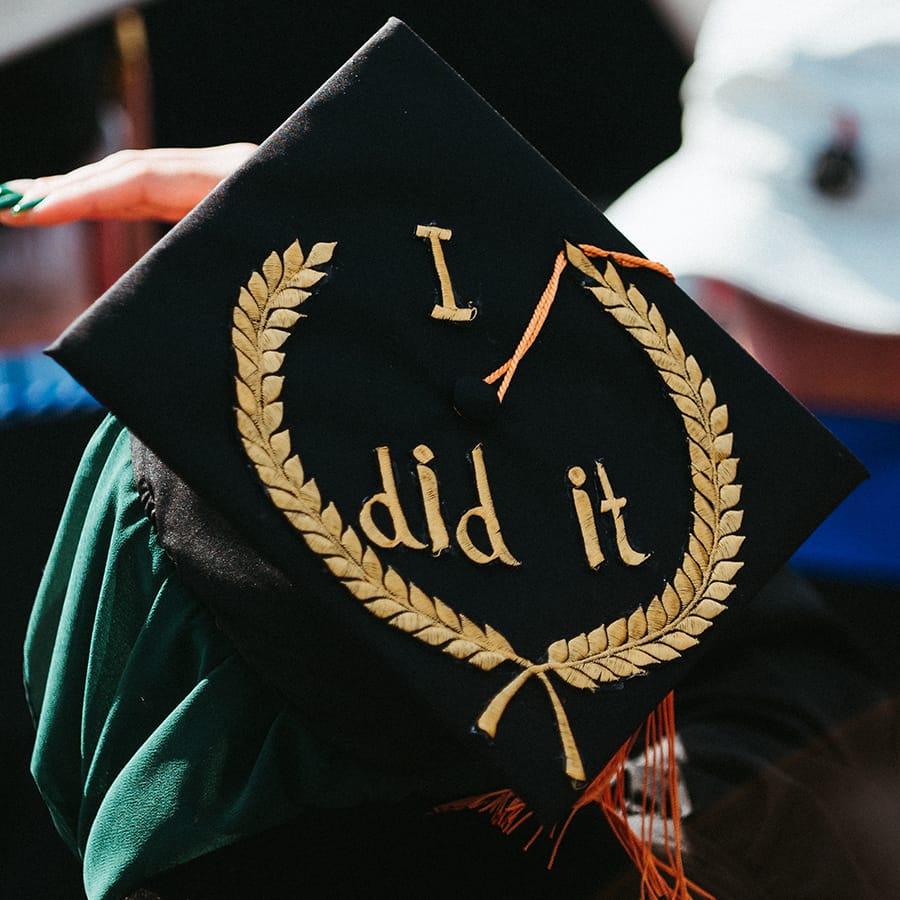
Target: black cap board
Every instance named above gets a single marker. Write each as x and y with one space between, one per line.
524 578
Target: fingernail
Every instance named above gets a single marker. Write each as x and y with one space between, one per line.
24 207
5 189
9 199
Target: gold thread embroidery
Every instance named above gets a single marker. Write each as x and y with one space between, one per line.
263 316
446 310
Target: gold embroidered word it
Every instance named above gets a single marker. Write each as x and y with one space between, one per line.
670 623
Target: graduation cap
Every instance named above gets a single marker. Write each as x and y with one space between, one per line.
452 464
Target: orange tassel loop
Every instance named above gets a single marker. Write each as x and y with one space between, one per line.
652 839
539 316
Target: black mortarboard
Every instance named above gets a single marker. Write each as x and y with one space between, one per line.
307 354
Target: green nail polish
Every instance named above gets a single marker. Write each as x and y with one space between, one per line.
24 207
10 199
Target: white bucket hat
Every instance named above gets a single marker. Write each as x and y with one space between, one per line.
779 89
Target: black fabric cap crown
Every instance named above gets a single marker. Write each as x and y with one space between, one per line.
524 579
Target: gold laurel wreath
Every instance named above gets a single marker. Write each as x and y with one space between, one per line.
266 312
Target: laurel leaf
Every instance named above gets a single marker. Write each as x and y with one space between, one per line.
607 298
638 301
730 521
705 487
703 532
676 383
558 652
272 270
365 591
728 547
662 360
577 258
434 635
257 287
703 509
395 585
709 608
695 376
372 565
695 430
727 470
272 416
612 278
281 447
598 640
686 406
637 624
699 460
293 258
639 658
271 388
283 318
288 297
621 667
242 343
730 495
245 397
331 519
661 652
498 642
683 586
698 552
270 476
272 338
419 600
671 602
461 649
719 590
247 369
272 361
654 316
692 570
449 616
576 679
352 545
723 445
343 568
321 253
242 322
694 625
257 452
617 633
579 647
305 278
486 660
293 469
678 640
286 500
249 429
708 394
725 571
626 317
249 305
320 544
385 608
410 621
657 618
718 419
675 346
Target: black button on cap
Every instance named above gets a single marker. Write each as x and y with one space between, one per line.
475 400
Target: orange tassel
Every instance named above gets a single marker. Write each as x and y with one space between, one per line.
662 876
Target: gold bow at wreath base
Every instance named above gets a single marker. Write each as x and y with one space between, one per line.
266 312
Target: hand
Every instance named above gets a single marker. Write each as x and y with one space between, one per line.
160 184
